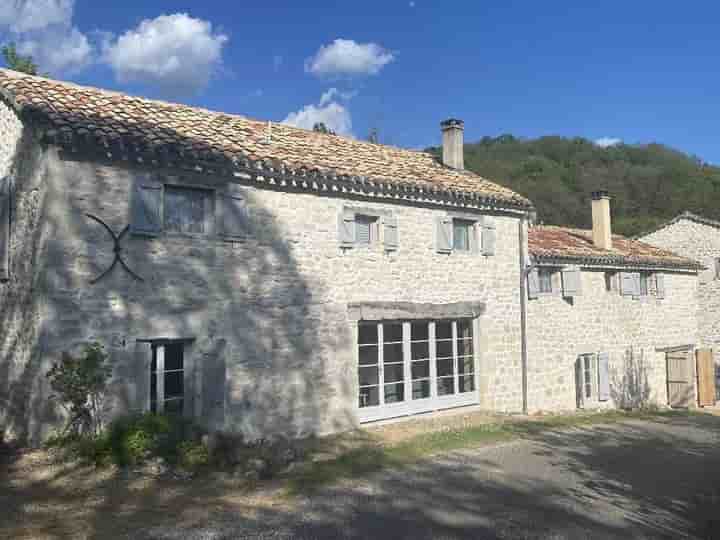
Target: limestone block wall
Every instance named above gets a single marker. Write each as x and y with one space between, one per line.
701 242
273 348
601 320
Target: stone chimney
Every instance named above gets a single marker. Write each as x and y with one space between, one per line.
452 150
602 230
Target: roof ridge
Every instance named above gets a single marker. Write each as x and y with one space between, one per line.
686 214
174 104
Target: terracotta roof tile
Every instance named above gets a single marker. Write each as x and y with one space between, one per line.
575 245
182 129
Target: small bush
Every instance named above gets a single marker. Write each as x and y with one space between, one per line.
133 439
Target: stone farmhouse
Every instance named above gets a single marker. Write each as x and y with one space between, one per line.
698 238
265 279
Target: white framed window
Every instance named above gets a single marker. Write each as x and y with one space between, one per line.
545 280
167 378
366 230
187 210
587 361
463 234
414 366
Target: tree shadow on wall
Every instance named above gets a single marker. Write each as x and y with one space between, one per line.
629 386
261 331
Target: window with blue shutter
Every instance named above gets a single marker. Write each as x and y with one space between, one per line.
488 236
390 233
346 228
443 234
365 230
146 207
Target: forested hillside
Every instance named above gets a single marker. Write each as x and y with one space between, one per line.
649 183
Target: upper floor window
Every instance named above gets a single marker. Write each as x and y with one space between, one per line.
463 234
644 279
366 229
545 276
187 210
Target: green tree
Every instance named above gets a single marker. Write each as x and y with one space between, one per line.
18 62
320 127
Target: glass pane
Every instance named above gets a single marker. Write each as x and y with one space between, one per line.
444 367
444 349
420 350
367 333
394 393
173 384
153 387
368 375
185 209
419 331
394 372
393 352
465 347
443 330
421 369
467 384
420 389
153 361
446 386
174 407
464 328
173 356
368 355
392 332
465 365
369 396
461 235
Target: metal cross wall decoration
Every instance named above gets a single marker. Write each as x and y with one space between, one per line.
117 249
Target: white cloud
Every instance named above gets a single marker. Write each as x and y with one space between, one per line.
334 115
175 53
28 15
44 29
349 58
332 93
605 142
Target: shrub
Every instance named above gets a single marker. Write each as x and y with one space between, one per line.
79 382
136 438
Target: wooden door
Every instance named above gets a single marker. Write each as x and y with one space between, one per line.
679 378
706 377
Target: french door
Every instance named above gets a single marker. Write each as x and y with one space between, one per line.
408 367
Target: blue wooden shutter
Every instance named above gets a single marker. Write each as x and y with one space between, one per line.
660 285
146 206
571 282
533 283
4 229
390 233
627 284
234 211
488 236
603 376
346 228
443 234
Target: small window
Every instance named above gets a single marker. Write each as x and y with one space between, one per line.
366 229
545 280
586 382
644 280
187 210
462 234
167 378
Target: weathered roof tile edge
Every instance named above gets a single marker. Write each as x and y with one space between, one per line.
554 256
77 127
685 215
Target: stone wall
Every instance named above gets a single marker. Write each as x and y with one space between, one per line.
601 320
274 347
701 242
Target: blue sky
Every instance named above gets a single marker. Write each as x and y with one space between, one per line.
635 71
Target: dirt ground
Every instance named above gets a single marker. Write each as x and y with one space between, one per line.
40 499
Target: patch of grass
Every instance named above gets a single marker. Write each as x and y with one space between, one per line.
373 457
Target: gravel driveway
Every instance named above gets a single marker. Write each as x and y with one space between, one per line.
636 479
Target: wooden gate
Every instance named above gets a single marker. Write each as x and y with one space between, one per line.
679 378
706 377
